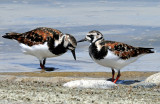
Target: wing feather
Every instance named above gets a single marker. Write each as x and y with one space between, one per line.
125 51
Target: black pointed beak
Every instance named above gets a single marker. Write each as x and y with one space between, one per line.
73 53
82 40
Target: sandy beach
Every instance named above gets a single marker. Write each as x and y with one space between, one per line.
133 22
125 75
47 88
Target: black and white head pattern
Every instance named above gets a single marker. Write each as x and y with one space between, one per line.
93 36
70 42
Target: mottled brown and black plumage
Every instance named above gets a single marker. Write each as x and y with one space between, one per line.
44 42
36 36
125 51
115 55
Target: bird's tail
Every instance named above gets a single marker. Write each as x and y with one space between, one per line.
146 50
11 35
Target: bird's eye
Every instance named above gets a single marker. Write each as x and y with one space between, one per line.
91 36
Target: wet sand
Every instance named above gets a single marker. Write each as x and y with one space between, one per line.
134 75
35 87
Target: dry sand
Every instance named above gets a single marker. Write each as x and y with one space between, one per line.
47 88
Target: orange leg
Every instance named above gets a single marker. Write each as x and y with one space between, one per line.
118 76
113 73
42 65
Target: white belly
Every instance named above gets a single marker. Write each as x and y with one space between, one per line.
40 51
114 61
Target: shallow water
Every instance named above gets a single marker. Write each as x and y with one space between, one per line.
133 22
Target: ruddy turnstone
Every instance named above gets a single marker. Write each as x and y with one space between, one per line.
44 42
112 54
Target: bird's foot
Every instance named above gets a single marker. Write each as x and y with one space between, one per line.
43 71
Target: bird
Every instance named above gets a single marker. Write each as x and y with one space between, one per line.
44 42
112 54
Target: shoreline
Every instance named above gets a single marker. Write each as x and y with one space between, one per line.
128 74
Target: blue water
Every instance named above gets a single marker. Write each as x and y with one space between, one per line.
133 22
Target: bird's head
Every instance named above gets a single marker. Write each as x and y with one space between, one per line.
92 36
70 43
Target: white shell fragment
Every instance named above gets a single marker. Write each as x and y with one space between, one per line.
155 78
100 84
